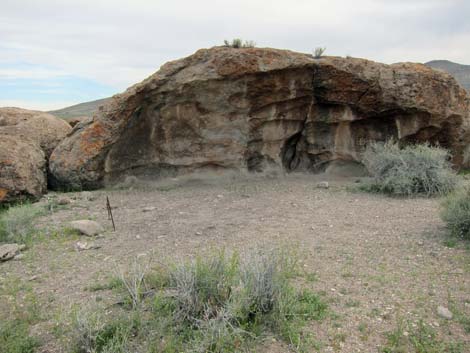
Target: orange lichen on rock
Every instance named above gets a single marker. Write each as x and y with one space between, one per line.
3 194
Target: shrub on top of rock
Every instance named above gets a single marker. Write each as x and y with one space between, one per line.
238 43
413 169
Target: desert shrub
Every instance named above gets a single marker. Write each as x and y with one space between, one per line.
17 223
202 286
413 169
456 213
15 338
220 302
318 52
239 43
217 303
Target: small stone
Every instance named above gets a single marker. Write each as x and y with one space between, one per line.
149 209
19 257
81 246
10 251
63 201
33 278
87 227
444 313
323 185
198 233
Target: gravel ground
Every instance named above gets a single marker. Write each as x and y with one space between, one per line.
378 261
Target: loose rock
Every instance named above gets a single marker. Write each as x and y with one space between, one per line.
323 185
81 246
9 251
149 209
444 313
87 227
63 201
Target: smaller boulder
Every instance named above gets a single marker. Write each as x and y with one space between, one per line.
9 251
87 227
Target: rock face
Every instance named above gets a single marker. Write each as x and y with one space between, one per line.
27 139
253 109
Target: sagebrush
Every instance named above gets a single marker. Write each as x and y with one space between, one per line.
456 213
216 303
409 170
17 223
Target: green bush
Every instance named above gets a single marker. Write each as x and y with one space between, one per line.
456 213
413 169
17 223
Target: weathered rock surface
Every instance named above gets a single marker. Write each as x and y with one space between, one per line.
253 109
27 139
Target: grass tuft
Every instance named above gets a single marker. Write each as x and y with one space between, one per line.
456 213
17 223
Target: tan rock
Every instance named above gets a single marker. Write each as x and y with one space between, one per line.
87 227
9 251
260 109
27 139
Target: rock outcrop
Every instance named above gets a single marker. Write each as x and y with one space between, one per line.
252 109
27 139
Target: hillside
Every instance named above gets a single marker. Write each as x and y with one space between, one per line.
460 72
78 110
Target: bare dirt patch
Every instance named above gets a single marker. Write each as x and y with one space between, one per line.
377 260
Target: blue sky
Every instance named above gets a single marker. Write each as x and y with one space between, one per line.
54 53
44 87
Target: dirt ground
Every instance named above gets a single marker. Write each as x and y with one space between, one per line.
377 260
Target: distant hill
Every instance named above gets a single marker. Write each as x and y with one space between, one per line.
79 110
460 72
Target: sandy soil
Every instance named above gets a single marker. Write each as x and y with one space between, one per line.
377 260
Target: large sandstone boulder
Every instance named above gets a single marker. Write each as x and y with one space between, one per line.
27 139
252 109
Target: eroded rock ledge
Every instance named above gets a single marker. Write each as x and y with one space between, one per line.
253 108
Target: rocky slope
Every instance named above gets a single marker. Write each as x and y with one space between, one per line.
253 109
460 72
27 139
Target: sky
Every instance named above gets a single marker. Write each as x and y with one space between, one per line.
55 53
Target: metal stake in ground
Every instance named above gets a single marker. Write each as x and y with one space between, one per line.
110 212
